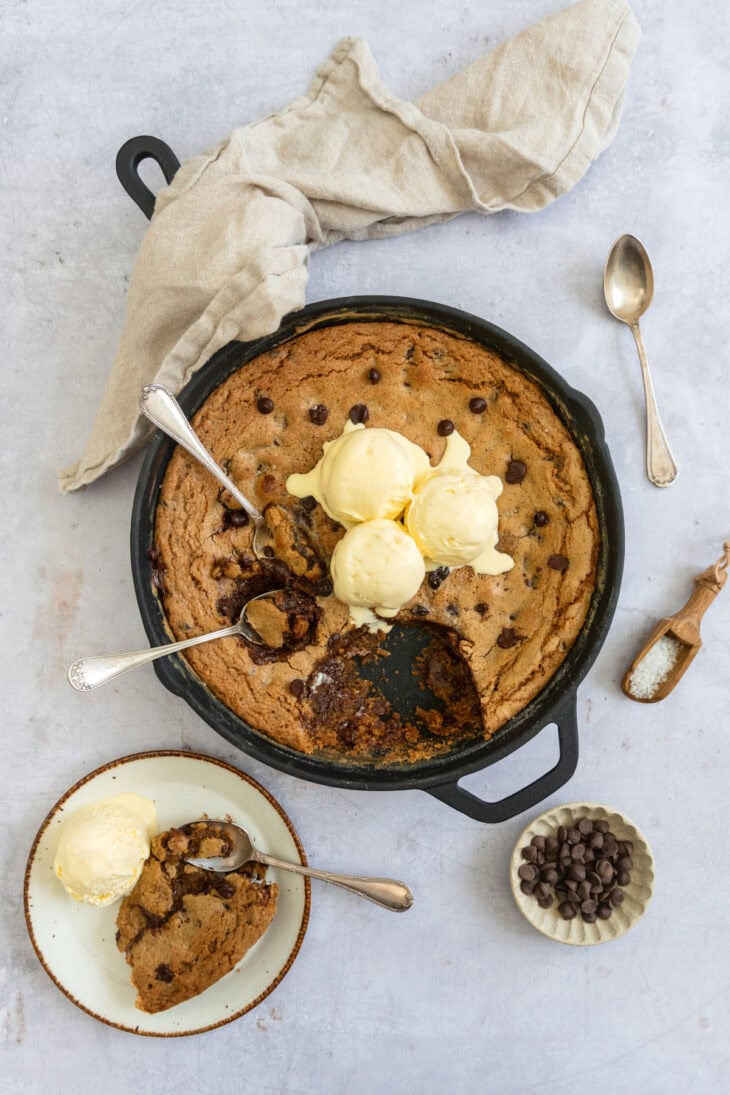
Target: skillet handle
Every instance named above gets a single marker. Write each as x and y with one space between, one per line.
566 717
130 156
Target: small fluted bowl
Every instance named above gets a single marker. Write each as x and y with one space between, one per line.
637 894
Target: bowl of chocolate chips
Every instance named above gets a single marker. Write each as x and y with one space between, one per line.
582 873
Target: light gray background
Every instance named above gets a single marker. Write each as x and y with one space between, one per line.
461 994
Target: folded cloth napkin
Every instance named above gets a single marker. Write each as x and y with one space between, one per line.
225 255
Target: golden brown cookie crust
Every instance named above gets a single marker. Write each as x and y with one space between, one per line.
513 630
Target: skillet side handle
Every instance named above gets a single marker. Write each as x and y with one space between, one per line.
129 158
566 716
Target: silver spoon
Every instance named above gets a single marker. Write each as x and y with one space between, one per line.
628 286
161 407
87 673
387 892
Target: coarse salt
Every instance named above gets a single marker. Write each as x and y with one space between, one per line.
654 667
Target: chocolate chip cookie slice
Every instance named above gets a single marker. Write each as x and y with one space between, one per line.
181 928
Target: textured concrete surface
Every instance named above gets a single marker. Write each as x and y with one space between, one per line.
460 994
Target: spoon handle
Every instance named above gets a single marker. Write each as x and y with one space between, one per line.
387 892
161 407
661 466
87 673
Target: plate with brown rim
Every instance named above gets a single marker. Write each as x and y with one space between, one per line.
75 943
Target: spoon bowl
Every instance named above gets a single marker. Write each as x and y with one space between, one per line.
628 280
387 892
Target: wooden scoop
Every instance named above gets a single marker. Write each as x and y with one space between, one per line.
684 627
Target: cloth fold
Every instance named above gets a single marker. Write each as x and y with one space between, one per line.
225 255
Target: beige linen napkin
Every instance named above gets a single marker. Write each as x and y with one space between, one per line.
225 255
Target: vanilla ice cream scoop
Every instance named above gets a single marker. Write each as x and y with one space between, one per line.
364 474
376 567
102 849
453 517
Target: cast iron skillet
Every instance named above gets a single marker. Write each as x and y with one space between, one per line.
556 703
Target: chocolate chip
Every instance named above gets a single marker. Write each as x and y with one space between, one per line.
445 427
235 518
224 889
481 608
578 851
528 873
558 562
516 472
268 551
588 917
318 414
604 911
625 863
420 610
604 870
359 413
567 911
527 887
623 878
158 570
545 902
309 503
264 405
600 826
437 576
375 376
164 973
585 826
477 405
538 842
578 871
529 853
296 687
588 906
616 898
541 518
573 836
508 637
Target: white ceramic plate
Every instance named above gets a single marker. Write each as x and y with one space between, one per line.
637 894
75 942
